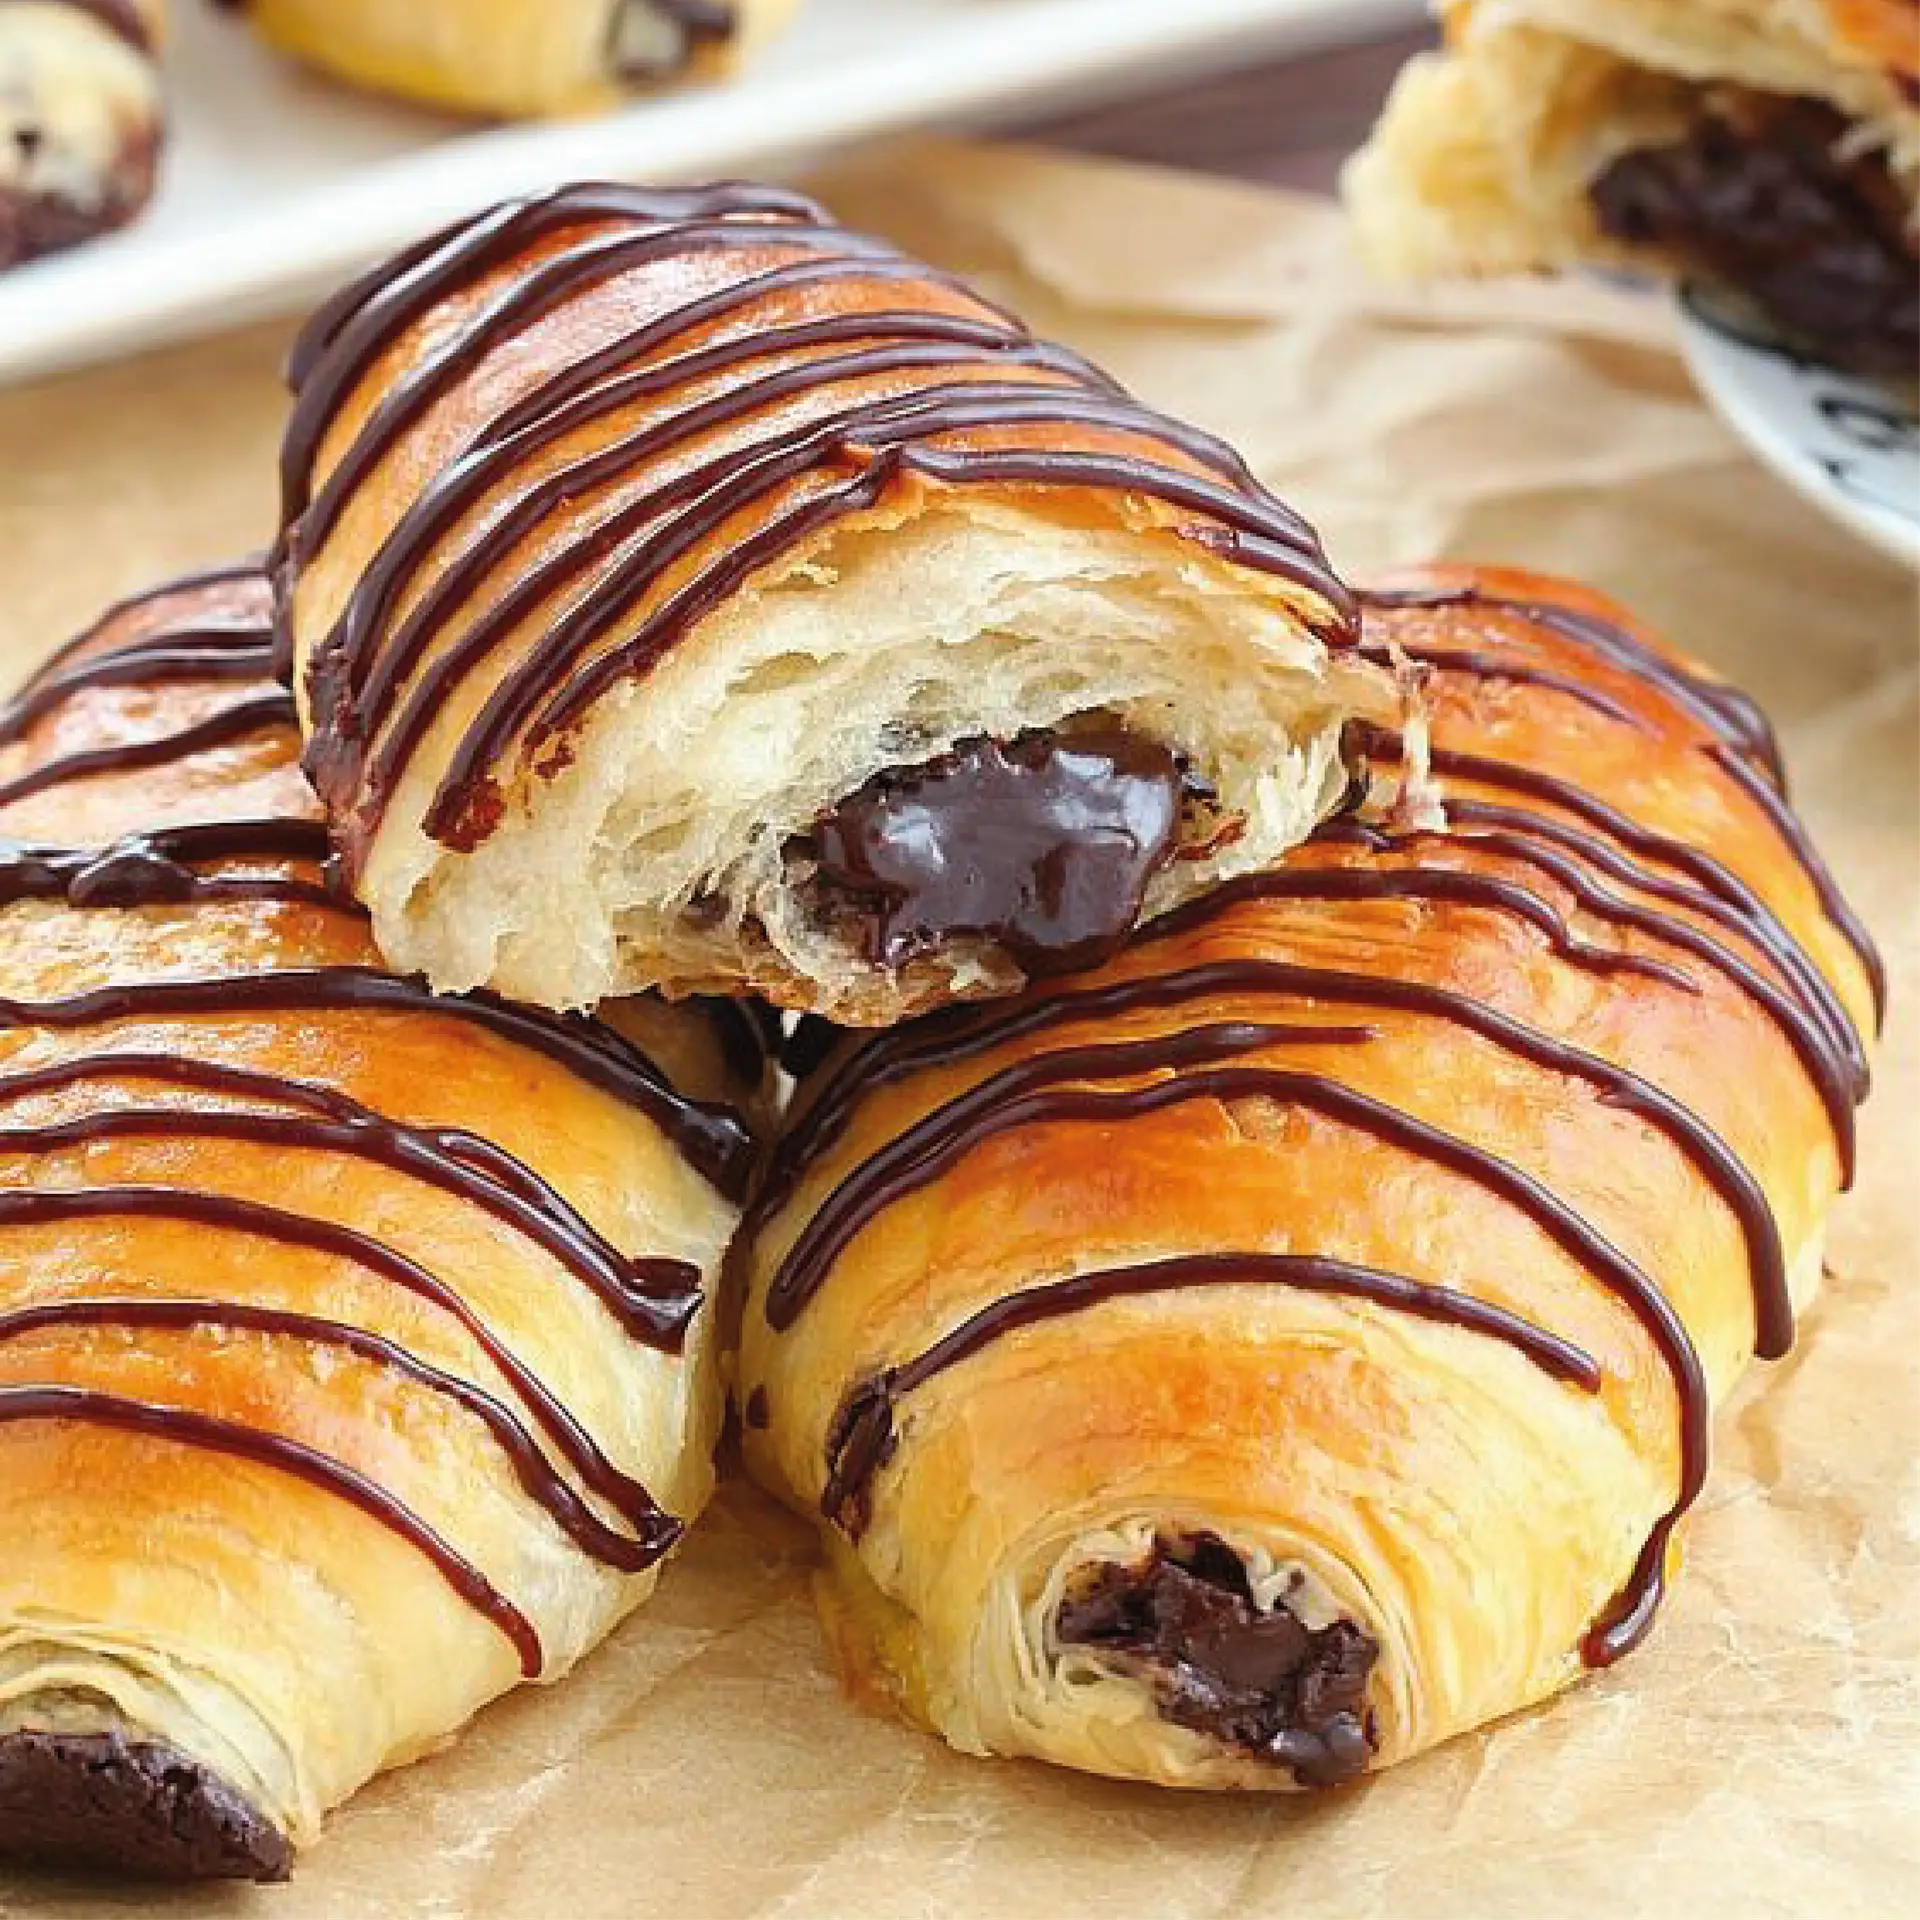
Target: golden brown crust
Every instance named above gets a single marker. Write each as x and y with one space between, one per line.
1630 1064
355 1354
521 58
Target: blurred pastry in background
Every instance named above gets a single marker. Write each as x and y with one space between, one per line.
1766 149
80 120
520 58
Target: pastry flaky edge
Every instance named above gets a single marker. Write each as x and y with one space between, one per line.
1439 1395
626 534
520 58
1483 157
356 1359
82 120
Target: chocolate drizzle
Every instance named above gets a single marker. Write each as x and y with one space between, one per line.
863 1432
1741 743
157 869
255 714
1727 712
713 1139
653 1299
1764 962
656 1532
1826 1060
945 1040
357 672
375 691
1756 918
291 1457
178 653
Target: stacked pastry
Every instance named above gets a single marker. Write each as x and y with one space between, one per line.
686 592
80 119
1305 1101
1770 150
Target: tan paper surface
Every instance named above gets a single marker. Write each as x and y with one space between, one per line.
1762 1755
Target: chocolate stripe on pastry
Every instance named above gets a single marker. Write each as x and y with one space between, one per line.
590 431
1601 1096
863 1430
429 1291
85 1407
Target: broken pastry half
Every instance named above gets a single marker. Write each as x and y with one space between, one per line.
1771 151
686 592
519 58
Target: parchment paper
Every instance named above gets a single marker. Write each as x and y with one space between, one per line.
1762 1755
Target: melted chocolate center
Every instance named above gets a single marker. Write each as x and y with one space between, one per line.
1043 844
1265 1681
1763 196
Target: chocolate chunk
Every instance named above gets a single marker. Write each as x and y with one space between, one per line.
102 1800
1267 1682
1764 196
1044 844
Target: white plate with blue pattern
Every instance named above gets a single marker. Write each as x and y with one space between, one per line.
1852 447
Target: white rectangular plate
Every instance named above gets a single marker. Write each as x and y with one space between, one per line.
277 183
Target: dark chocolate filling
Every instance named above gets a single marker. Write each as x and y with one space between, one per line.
102 1800
1043 844
1761 196
1266 1682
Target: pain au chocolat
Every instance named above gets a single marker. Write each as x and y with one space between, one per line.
356 1359
1295 1343
686 592
81 119
526 58
1772 149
